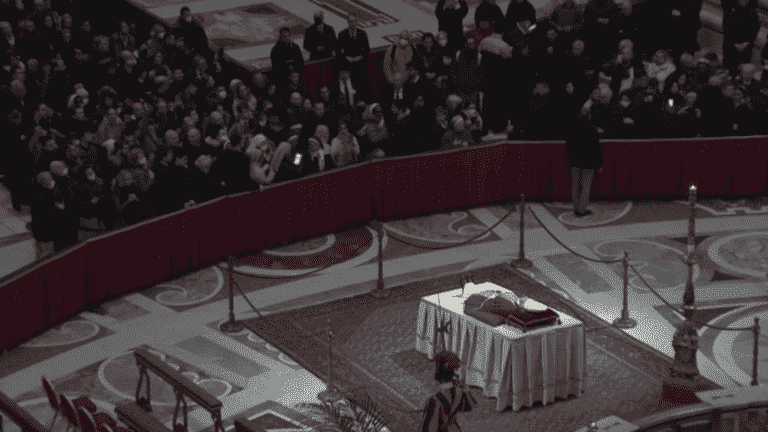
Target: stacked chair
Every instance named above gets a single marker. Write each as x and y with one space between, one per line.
80 413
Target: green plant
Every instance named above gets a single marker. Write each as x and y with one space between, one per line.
367 415
355 416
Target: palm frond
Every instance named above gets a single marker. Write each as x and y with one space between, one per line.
367 415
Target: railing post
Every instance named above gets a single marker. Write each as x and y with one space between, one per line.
625 322
380 292
521 261
233 325
756 332
330 395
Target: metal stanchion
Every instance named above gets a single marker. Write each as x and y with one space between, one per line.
691 240
330 395
625 322
380 292
521 261
756 332
233 325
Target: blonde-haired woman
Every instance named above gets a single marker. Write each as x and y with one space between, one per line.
320 151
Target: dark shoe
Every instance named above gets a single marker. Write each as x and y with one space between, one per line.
581 215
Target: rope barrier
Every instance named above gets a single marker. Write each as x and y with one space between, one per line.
465 241
313 272
681 313
569 249
638 275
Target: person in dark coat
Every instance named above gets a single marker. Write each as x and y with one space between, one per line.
320 39
585 155
429 58
206 180
568 18
193 34
466 73
450 19
670 25
352 51
91 195
497 88
47 209
488 15
601 24
285 56
125 201
740 27
519 11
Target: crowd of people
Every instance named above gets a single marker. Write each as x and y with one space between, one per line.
122 127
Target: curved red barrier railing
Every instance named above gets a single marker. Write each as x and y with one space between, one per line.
122 262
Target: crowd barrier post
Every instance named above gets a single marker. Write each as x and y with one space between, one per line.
233 325
625 322
379 292
756 333
685 341
330 395
521 261
691 240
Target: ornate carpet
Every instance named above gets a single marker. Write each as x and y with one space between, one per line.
374 354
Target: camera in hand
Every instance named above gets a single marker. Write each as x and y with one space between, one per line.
297 159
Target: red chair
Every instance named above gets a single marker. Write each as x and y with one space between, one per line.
52 399
69 412
106 428
83 401
87 423
98 420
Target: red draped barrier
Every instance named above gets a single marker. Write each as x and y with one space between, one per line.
125 261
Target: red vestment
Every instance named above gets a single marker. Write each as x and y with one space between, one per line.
442 409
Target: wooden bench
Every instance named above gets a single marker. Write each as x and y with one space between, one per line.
182 386
19 415
245 425
138 419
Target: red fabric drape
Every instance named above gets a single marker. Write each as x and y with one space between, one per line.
123 262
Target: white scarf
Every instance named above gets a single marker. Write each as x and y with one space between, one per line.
348 91
626 83
662 72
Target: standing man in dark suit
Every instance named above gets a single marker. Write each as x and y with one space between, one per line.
352 51
450 19
192 32
519 11
320 39
286 57
740 27
585 155
488 15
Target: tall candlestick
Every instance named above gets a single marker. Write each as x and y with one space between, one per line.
692 220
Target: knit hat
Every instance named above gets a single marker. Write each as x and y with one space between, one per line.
450 359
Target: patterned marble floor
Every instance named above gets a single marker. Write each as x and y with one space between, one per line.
178 320
247 29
